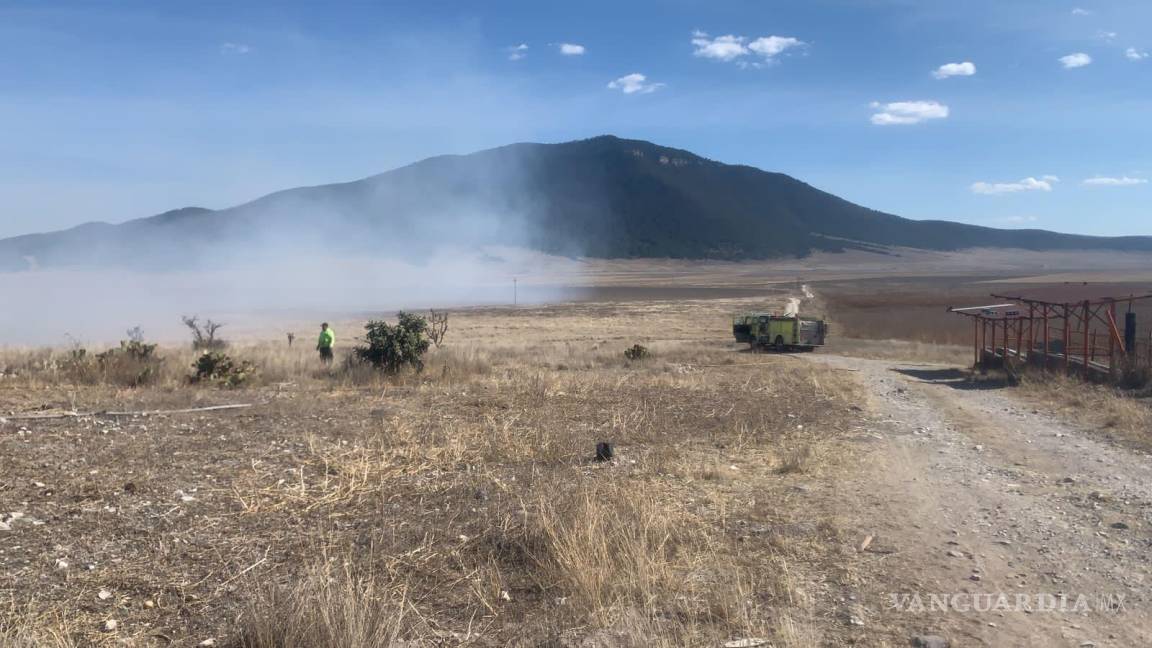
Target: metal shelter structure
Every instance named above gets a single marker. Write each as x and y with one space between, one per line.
1075 333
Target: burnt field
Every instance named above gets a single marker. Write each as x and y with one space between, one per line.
916 309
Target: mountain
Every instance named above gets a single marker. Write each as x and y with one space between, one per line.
600 197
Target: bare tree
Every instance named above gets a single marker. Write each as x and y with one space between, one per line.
204 334
136 334
437 326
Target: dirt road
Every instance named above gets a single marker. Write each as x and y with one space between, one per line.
971 494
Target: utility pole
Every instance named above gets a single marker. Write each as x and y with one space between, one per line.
515 293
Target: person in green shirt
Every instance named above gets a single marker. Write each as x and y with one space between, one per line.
324 345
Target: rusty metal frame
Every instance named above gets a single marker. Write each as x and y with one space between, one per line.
1084 319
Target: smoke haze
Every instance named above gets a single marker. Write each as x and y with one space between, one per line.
437 233
53 307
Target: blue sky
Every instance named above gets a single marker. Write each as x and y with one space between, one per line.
117 110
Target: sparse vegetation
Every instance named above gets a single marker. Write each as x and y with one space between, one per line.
133 364
459 505
494 522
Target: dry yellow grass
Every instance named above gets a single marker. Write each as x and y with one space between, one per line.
1112 412
455 506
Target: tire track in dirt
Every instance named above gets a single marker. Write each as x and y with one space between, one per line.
971 494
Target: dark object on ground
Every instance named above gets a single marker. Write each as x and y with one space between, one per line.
604 451
637 352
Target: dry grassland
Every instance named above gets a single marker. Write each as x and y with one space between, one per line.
460 506
1122 416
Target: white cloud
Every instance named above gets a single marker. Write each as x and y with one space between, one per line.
1079 59
1124 181
907 112
1044 183
571 49
235 48
1134 54
1081 12
770 46
634 83
731 47
1107 36
517 52
967 68
723 48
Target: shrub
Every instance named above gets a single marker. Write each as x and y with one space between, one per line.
78 365
218 367
133 364
391 348
637 352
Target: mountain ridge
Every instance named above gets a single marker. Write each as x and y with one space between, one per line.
598 197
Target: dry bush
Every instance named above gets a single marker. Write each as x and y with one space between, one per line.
133 364
796 458
32 637
610 549
331 607
629 561
437 326
27 627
